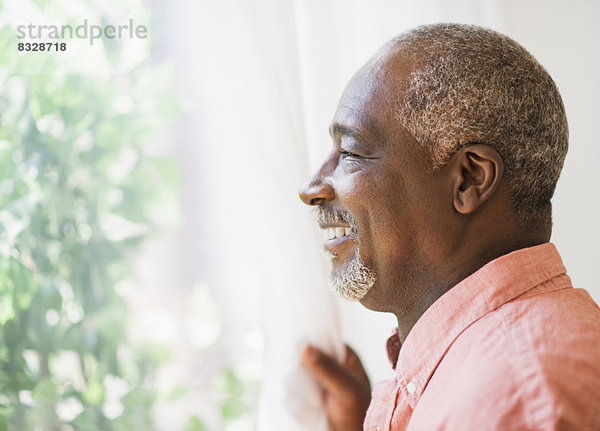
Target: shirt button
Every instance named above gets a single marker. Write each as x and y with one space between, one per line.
411 387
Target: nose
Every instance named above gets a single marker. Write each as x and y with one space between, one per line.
317 190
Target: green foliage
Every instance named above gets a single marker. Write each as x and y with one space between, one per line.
239 396
194 424
78 195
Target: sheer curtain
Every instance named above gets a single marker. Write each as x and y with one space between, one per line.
262 79
258 155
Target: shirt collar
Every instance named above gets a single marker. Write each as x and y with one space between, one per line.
491 286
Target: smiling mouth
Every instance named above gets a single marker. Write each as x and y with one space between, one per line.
336 232
338 228
335 236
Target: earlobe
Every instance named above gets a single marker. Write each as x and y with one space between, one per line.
477 173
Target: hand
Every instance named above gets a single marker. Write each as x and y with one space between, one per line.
347 387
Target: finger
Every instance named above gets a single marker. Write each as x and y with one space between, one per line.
333 376
353 364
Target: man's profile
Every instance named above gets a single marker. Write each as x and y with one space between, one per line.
435 201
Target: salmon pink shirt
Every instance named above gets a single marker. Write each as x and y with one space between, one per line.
512 347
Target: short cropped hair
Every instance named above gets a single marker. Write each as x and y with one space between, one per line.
475 85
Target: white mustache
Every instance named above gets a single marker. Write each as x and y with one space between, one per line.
328 215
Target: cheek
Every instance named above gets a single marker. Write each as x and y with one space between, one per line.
398 222
391 208
359 194
377 206
354 190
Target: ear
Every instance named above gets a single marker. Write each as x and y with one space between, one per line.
477 172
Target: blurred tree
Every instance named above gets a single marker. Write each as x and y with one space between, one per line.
78 195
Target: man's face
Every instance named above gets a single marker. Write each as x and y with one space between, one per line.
378 196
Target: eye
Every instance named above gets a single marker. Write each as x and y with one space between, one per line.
350 161
345 154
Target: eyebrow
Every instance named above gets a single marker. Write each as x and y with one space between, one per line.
338 129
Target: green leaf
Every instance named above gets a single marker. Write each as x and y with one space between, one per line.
3 421
46 392
232 408
94 393
194 424
7 311
230 384
12 334
176 393
153 353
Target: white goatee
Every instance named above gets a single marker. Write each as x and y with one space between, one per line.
353 280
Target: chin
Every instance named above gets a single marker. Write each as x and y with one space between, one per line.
369 301
351 279
377 300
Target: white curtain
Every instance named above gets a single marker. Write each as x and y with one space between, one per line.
263 78
258 154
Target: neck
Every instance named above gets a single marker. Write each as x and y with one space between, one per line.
464 263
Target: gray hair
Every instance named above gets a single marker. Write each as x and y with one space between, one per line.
475 85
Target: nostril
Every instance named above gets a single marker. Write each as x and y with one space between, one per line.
316 194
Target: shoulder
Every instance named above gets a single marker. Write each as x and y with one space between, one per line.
554 340
531 364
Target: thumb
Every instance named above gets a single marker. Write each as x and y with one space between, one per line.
328 372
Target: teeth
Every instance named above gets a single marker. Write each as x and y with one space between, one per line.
330 233
337 232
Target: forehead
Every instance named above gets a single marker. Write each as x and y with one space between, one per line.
367 105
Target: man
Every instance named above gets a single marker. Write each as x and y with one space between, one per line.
435 200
